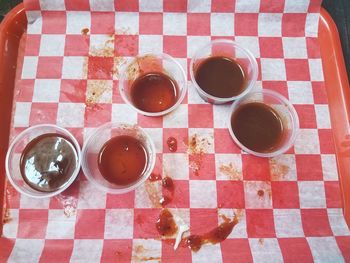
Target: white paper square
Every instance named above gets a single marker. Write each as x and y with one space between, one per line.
10 228
119 224
151 6
296 6
99 91
307 142
194 43
311 24
252 196
221 115
33 203
273 69
22 113
300 92
150 44
52 5
203 194
199 6
264 252
322 116
283 168
240 230
337 222
59 225
329 167
193 96
22 251
222 24
176 165
52 45
102 5
74 67
90 197
87 250
174 24
46 90
316 70
244 6
156 135
178 118
312 194
29 68
288 223
325 249
123 113
77 21
294 47
150 248
208 251
126 23
269 25
35 22
101 45
228 167
148 194
65 118
251 43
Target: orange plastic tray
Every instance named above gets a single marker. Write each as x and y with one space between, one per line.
336 81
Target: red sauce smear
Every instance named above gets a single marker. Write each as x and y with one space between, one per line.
172 144
155 177
166 225
168 190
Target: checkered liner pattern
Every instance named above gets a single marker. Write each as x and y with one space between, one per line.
298 219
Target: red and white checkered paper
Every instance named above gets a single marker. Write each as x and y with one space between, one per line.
298 219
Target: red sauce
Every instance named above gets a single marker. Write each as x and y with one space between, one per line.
172 144
166 225
261 193
154 92
122 160
85 31
168 190
155 177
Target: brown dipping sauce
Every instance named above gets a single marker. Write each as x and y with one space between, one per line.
154 92
220 77
258 127
122 160
48 161
166 225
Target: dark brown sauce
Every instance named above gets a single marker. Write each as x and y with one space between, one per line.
215 236
47 162
258 127
172 144
166 225
168 190
220 77
122 160
154 92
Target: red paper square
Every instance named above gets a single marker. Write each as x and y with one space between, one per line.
255 168
12 196
6 248
260 223
319 92
246 24
54 22
200 116
271 47
236 250
315 222
32 45
158 167
314 6
295 250
57 250
32 5
26 88
175 6
181 136
144 223
344 246
77 133
126 5
313 47
175 46
285 195
307 116
77 45
126 45
224 142
198 24
151 23
90 224
230 194
77 5
149 122
100 67
223 6
293 25
202 220
43 113
102 22
120 200
333 194
278 86
117 250
95 118
32 223
49 68
180 196
169 255
206 167
326 141
268 6
297 69
309 167
73 91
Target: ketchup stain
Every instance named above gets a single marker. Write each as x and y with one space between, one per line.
261 193
172 144
168 191
166 225
154 92
154 177
122 160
